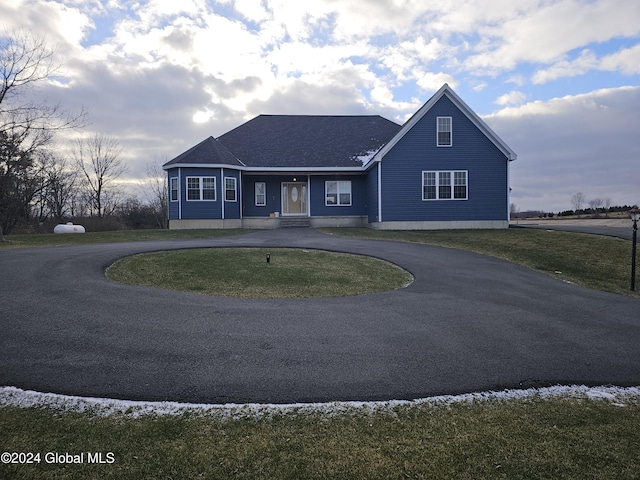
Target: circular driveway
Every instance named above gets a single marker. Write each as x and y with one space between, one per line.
467 323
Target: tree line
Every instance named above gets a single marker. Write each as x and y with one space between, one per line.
44 177
581 207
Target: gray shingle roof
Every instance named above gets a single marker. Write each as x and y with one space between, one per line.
296 141
209 151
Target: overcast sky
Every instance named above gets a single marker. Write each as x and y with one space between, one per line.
558 80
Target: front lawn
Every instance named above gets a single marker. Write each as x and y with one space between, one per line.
533 438
52 239
244 272
593 261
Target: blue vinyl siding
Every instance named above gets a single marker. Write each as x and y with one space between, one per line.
316 185
358 196
231 209
174 207
471 151
273 194
192 210
372 194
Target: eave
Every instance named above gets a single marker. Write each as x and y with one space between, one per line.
267 170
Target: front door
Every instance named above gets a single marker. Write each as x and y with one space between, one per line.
294 198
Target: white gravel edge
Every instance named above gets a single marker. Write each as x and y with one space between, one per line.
16 397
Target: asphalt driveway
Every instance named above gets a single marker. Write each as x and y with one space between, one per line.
467 323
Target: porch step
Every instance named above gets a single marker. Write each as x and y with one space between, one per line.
295 222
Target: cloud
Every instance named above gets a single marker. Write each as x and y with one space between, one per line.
433 81
305 98
585 143
585 62
547 34
61 25
626 61
162 75
512 98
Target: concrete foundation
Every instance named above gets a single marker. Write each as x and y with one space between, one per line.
204 224
266 223
441 225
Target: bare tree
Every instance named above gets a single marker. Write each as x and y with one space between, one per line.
60 185
595 204
607 206
577 201
18 183
26 61
155 193
98 158
513 211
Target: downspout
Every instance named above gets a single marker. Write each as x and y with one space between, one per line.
308 195
169 197
508 191
380 191
240 199
179 193
223 192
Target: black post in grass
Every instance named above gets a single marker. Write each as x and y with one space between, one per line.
634 213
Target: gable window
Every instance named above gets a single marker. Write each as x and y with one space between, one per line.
230 189
173 187
261 194
201 188
444 185
337 193
444 131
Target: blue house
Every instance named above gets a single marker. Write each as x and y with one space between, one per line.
444 168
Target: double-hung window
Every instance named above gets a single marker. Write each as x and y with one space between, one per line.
460 185
201 188
173 187
438 185
337 193
230 189
443 132
444 185
261 194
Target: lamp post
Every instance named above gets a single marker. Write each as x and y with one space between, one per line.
634 213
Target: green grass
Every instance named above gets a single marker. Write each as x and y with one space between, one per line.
598 262
52 239
593 261
244 272
519 439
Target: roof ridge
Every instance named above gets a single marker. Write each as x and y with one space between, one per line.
316 115
218 142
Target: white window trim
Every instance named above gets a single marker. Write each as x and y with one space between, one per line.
235 189
450 144
201 189
255 194
452 174
176 181
338 204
